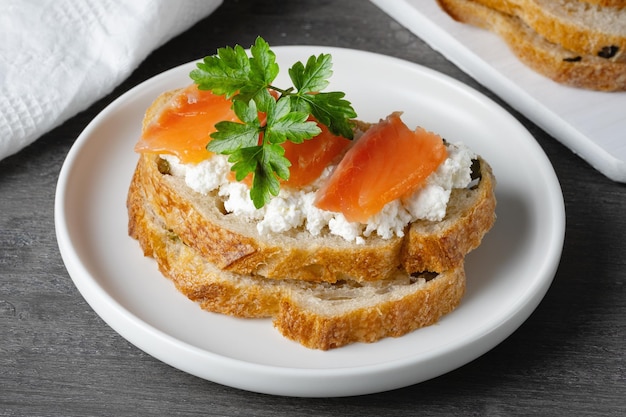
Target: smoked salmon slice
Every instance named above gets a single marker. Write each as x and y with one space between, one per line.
388 162
309 158
184 127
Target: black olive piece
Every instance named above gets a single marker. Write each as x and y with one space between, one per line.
608 51
573 59
475 175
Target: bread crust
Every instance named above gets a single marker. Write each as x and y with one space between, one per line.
235 245
550 59
309 313
618 4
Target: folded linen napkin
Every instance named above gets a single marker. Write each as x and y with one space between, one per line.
57 57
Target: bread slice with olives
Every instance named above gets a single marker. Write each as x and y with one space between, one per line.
234 244
588 30
573 43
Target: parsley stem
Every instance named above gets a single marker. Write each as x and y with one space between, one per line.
282 92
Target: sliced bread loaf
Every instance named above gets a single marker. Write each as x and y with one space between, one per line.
548 58
317 315
575 25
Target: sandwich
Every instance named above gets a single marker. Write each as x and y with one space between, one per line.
365 235
580 43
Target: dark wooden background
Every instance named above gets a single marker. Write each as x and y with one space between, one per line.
58 358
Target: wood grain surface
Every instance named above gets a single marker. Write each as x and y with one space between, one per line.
58 358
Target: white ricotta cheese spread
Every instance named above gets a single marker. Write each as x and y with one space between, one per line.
294 208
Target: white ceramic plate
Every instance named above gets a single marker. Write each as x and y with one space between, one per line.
507 276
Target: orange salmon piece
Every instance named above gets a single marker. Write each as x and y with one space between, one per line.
183 128
388 162
309 158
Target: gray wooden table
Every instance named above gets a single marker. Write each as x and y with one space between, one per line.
58 358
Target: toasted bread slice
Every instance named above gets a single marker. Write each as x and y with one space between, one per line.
233 244
548 58
317 315
577 26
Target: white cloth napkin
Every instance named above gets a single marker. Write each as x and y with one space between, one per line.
57 57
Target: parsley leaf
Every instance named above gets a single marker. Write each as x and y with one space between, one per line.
232 136
254 147
332 110
314 76
263 62
283 124
267 163
224 74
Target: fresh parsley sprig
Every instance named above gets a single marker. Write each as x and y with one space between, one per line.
254 145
